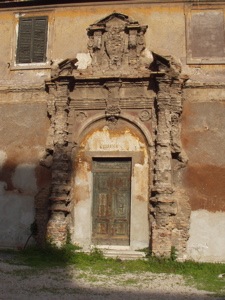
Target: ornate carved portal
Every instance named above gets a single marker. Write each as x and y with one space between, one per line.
125 84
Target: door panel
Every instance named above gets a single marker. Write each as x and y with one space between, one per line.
111 201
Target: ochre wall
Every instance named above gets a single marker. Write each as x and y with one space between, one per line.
203 135
166 35
24 121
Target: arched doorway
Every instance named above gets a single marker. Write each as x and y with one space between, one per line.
111 187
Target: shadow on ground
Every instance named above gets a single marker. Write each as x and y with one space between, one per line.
19 282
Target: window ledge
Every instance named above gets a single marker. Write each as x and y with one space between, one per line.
205 61
30 66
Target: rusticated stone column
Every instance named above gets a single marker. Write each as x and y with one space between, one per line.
169 204
163 202
61 163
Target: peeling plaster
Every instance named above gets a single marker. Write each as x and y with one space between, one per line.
207 239
116 142
103 140
84 60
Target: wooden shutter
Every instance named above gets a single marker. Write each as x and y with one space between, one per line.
40 28
24 41
32 40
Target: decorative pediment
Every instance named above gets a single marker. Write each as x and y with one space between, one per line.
116 43
112 18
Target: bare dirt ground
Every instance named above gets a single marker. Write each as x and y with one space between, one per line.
19 282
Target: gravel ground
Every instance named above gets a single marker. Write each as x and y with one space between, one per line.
22 282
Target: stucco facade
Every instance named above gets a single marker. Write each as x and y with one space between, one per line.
133 89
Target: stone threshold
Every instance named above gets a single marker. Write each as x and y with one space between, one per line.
120 252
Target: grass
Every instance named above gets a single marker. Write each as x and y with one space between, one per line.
201 275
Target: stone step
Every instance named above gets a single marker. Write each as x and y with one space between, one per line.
123 254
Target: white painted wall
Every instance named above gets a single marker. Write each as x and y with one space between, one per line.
207 236
17 207
17 214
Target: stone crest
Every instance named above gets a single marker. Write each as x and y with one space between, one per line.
116 43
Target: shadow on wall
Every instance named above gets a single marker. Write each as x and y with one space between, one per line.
18 186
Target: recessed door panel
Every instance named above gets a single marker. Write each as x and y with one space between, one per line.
111 201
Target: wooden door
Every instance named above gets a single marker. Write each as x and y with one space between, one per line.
111 201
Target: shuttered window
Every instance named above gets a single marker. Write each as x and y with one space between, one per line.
32 40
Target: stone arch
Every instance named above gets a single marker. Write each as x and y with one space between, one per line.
102 141
90 122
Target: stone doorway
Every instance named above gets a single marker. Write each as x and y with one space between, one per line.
111 164
127 103
111 201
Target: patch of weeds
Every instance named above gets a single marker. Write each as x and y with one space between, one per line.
48 256
130 281
82 276
9 256
201 275
96 254
92 278
173 253
147 251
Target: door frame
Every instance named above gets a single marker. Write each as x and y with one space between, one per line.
113 240
139 230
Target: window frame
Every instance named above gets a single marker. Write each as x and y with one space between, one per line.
14 65
28 39
201 60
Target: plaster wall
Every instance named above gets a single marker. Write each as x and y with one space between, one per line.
108 143
203 136
17 208
24 126
23 136
207 241
166 35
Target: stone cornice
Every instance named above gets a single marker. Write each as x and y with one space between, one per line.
29 3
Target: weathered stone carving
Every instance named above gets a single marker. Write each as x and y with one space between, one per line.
168 200
112 111
145 115
81 116
152 94
116 43
65 68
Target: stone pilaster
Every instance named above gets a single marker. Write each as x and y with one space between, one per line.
61 164
163 202
170 207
